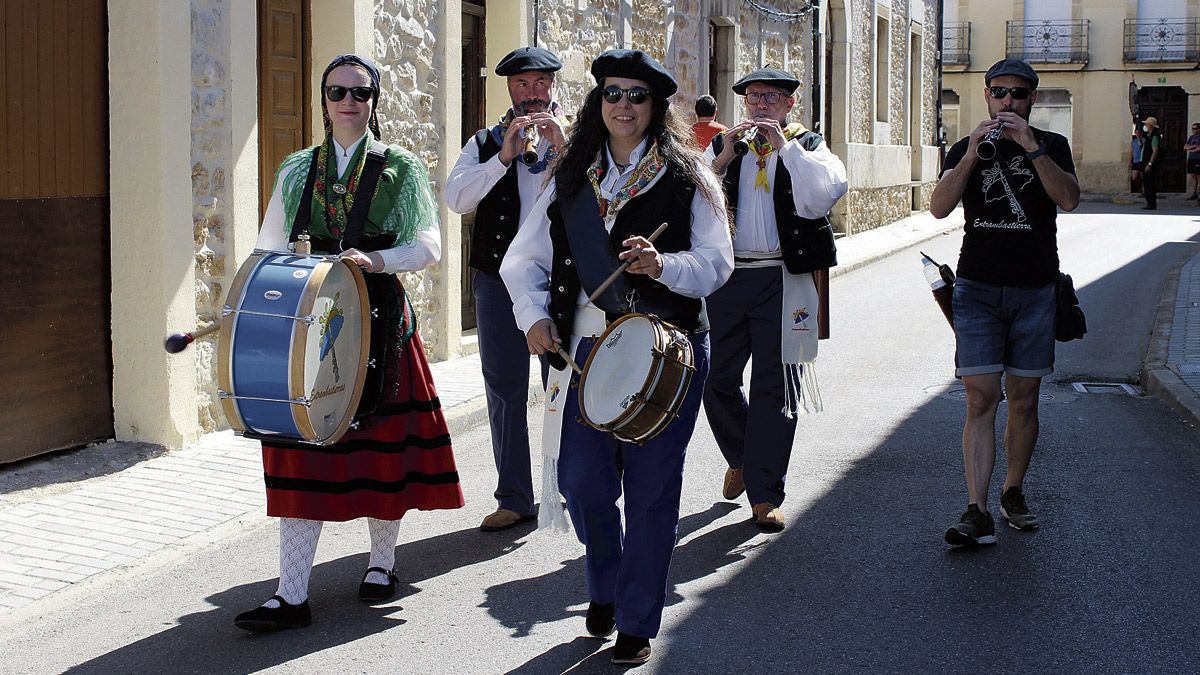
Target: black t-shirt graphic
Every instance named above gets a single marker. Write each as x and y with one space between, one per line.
1010 236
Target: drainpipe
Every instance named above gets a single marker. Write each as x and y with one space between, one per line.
818 57
938 135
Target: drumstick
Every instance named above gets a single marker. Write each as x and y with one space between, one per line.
567 357
179 341
616 273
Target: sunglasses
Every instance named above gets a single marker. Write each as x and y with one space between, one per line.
1018 93
771 97
360 94
636 95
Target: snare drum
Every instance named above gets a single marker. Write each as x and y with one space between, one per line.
636 377
293 348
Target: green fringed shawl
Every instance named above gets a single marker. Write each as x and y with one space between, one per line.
403 204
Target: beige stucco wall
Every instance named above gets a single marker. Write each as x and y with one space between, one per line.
153 271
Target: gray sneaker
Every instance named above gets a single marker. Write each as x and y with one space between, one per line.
974 528
1015 511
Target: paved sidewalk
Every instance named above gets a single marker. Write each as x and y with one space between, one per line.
57 529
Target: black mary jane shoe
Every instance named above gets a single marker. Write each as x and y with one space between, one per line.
631 650
270 619
371 592
601 619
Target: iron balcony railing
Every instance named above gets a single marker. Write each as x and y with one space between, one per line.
1162 40
956 43
1048 41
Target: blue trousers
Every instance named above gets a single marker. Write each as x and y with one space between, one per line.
752 434
628 566
504 356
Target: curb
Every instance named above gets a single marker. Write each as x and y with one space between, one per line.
473 412
1157 378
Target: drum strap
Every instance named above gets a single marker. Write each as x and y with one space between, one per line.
592 250
376 160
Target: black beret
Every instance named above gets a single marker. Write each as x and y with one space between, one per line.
636 65
771 76
1015 67
526 59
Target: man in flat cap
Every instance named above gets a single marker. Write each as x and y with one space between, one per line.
1151 144
499 174
630 166
1004 297
780 181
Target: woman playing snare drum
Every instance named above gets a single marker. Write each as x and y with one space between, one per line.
628 168
399 458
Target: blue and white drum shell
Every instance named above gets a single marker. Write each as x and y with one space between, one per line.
293 348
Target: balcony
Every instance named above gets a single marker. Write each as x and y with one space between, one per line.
1162 41
1063 42
956 44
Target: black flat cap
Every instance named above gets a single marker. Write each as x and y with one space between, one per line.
1014 67
525 59
771 76
636 65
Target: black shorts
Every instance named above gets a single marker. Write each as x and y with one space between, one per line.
1193 166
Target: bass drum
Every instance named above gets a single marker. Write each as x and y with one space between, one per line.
293 350
636 377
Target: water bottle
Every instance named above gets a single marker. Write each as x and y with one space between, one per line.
939 278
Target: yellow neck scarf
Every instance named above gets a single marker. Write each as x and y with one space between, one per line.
763 148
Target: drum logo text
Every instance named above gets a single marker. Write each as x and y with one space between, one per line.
327 391
612 341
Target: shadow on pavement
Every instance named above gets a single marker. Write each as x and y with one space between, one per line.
208 641
58 470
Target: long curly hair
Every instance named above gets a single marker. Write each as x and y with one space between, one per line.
589 135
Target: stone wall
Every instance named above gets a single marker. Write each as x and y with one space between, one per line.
862 96
212 157
868 208
411 102
577 35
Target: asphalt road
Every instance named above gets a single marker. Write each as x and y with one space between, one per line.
859 581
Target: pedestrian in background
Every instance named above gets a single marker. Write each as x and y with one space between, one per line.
1135 159
706 125
1004 297
1193 161
1151 144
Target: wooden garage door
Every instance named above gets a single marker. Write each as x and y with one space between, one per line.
54 287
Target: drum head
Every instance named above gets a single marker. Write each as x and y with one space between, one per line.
618 368
332 352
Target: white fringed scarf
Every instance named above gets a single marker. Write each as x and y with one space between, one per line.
798 338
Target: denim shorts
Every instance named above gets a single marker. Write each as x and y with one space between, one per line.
1003 329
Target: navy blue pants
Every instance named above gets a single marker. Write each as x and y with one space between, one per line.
504 356
752 434
628 565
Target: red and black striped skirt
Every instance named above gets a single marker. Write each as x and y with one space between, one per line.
398 459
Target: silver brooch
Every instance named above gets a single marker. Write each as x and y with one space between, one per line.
339 188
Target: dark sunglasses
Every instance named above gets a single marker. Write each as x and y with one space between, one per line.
637 95
360 94
1018 93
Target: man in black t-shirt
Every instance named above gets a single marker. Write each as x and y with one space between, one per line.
1004 296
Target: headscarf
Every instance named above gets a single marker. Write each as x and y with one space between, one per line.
372 71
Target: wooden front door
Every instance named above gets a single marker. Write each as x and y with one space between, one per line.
1169 106
284 70
55 313
473 67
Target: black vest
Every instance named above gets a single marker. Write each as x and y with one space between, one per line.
498 214
576 229
806 243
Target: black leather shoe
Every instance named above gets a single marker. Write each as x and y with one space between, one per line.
268 619
601 619
631 650
369 591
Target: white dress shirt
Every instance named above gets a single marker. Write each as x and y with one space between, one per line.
694 273
818 181
424 250
470 181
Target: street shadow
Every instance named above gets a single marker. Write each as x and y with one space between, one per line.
208 642
70 466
